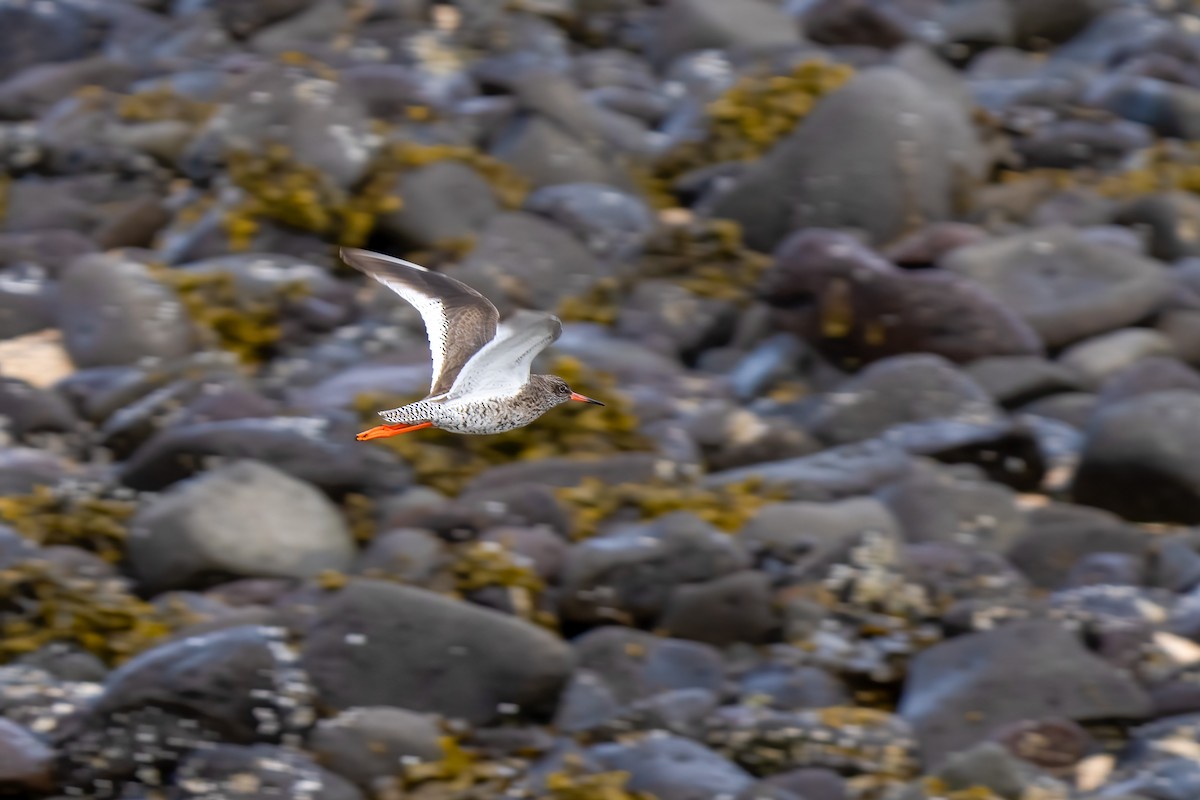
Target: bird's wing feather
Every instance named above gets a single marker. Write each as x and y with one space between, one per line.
501 367
458 320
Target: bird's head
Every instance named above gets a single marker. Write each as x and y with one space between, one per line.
563 393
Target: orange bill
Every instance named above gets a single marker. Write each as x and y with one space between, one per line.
384 431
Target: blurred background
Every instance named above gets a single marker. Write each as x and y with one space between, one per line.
894 306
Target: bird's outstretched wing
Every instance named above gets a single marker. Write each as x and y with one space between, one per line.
501 367
458 320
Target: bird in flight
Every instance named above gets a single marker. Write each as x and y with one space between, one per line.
481 367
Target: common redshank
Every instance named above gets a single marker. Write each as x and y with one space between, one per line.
481 366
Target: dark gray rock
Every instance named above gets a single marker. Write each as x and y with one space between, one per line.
26 301
831 474
300 446
688 25
1136 459
813 178
787 688
811 783
829 289
858 22
733 608
556 472
1100 357
443 202
813 536
673 768
528 262
1066 287
1059 535
36 34
677 711
411 555
26 409
65 661
25 760
1182 329
668 318
247 519
940 506
546 154
633 664
324 125
630 573
446 657
1107 569
1171 109
365 745
988 765
587 702
1013 381
248 773
111 311
242 20
614 225
24 468
898 390
1147 376
1168 219
1075 143
244 681
958 691
1070 408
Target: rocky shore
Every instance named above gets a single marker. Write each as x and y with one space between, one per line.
894 306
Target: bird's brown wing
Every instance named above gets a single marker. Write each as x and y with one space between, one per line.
458 320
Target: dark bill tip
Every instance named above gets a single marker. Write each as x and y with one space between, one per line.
584 399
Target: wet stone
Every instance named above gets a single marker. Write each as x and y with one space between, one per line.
247 519
629 574
1133 461
365 745
25 760
112 312
486 662
959 691
634 664
247 773
673 768
1032 273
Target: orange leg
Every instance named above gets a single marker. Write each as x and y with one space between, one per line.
384 431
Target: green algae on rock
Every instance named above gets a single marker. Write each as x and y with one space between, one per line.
704 256
446 461
232 321
278 187
50 517
728 507
161 103
748 119
40 604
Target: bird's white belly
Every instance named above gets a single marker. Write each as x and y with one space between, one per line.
483 416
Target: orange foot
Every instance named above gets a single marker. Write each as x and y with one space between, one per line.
384 431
